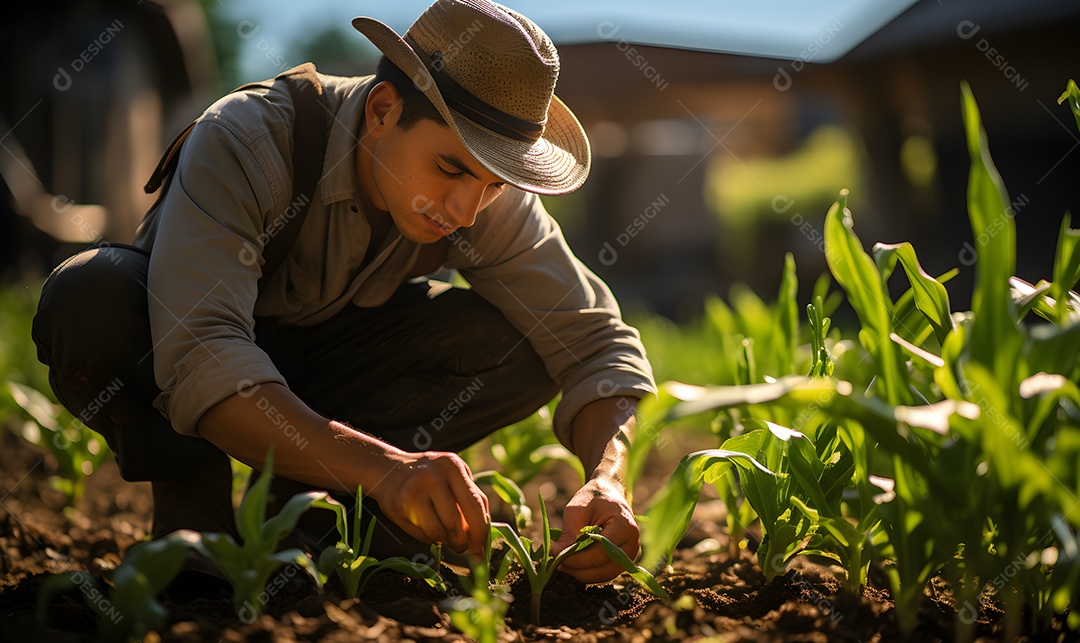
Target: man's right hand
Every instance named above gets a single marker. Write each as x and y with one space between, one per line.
432 496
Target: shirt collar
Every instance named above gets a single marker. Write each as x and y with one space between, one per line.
340 180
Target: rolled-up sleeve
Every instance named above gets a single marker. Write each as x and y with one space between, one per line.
204 270
517 258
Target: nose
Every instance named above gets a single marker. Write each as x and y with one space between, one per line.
462 204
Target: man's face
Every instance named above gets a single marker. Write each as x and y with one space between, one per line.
426 179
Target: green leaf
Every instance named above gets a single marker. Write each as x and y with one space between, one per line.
413 570
995 338
517 547
546 526
670 510
1072 94
717 397
640 574
159 560
1002 438
580 543
858 275
274 529
787 318
36 405
819 331
1066 267
510 493
931 298
252 511
923 356
331 558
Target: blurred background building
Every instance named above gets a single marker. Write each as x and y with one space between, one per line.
708 166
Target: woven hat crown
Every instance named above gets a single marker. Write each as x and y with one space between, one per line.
495 53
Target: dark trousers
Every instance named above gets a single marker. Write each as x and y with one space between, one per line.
420 372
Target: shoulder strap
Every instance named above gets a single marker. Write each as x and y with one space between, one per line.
308 154
309 149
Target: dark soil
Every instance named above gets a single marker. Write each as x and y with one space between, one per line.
731 599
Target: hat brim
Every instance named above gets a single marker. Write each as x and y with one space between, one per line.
557 163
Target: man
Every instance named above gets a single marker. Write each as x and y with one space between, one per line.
341 359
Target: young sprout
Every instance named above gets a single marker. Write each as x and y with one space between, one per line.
247 567
77 449
480 615
537 562
349 559
539 565
130 608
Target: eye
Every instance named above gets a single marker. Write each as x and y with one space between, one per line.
448 173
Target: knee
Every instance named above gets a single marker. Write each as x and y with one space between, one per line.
108 280
94 277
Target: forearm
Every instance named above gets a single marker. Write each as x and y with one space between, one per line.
601 436
308 447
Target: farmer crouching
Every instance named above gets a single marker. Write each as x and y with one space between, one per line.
341 356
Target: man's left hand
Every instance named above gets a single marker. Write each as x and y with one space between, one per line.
600 502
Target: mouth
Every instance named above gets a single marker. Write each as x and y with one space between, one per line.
442 228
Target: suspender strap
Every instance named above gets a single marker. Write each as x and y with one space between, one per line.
309 150
310 132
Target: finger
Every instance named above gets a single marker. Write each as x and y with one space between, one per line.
473 505
452 526
487 507
574 519
601 574
413 522
619 530
594 556
483 496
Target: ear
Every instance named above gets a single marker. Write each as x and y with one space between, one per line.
382 109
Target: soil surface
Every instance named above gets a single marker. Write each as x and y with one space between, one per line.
730 599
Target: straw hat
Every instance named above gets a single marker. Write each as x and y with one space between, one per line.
491 73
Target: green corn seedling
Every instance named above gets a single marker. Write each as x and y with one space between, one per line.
821 474
786 521
129 608
247 567
77 450
539 565
819 330
481 614
739 514
536 561
354 566
668 516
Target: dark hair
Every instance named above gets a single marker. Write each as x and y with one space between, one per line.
415 107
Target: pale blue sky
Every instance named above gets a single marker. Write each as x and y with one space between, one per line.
818 31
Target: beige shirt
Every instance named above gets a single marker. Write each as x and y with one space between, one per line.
234 181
